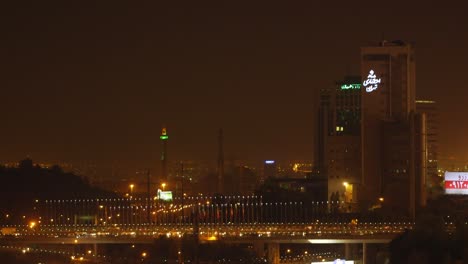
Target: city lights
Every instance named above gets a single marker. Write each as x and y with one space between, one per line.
293 139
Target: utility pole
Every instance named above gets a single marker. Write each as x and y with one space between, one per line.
148 198
182 187
220 163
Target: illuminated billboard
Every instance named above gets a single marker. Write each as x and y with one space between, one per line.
165 195
456 182
372 82
351 86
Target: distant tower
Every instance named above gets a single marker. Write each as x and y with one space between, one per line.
220 162
164 137
429 108
269 169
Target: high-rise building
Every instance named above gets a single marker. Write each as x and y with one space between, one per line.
269 169
392 134
429 108
371 143
338 153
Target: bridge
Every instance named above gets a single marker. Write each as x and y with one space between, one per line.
230 219
259 235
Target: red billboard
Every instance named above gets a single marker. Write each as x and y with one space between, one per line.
456 182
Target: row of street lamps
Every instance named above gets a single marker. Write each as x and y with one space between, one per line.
135 211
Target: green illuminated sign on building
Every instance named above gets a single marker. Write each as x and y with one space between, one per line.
164 137
351 86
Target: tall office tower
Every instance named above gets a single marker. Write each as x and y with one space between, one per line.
389 80
269 169
338 139
429 108
392 134
220 162
164 137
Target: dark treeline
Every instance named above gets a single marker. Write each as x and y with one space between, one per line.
26 184
17 257
440 235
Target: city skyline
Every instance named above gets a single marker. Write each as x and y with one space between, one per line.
97 83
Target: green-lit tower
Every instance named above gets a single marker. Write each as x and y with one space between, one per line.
164 137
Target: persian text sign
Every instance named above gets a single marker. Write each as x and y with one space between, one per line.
456 182
372 82
351 86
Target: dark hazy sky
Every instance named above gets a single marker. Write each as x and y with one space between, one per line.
96 80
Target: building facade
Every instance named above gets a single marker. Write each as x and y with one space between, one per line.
429 108
338 145
371 142
393 135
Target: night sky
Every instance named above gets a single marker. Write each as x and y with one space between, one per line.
95 81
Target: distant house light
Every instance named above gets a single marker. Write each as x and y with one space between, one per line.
425 102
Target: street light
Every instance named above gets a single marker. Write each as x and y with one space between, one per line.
163 185
131 186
